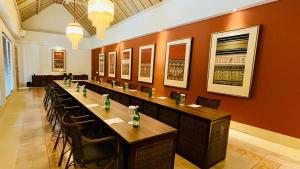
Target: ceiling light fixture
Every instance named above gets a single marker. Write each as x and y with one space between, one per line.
101 13
74 31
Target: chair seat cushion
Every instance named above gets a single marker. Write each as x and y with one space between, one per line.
98 151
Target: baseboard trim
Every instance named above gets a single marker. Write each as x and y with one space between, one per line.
267 135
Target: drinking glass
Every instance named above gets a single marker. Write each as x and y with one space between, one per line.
182 98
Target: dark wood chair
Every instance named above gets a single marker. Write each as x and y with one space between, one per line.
88 150
109 81
173 94
132 86
211 103
145 89
117 83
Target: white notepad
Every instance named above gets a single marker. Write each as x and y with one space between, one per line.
161 97
132 90
194 105
92 105
113 121
120 87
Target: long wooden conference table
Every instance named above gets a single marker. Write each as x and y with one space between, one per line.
198 134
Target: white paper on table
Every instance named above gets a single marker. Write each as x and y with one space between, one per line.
120 87
113 121
161 97
92 105
194 105
132 90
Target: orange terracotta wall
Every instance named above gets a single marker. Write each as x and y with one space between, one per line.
275 99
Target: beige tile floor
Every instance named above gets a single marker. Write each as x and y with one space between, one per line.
25 141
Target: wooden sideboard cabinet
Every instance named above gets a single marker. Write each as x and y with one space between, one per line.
42 80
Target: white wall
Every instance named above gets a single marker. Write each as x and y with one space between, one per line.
35 55
169 14
4 28
53 19
9 16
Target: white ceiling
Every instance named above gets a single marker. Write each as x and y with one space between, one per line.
53 19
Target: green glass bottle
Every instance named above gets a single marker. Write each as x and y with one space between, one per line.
107 103
69 83
136 119
77 88
150 92
84 92
124 87
177 98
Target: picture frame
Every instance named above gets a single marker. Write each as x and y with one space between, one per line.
177 63
146 63
126 63
101 64
112 64
58 60
232 61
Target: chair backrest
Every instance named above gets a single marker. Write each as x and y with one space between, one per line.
211 103
145 89
174 93
108 81
75 134
117 83
132 86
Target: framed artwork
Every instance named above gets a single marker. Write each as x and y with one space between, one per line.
231 63
146 63
112 62
101 64
58 60
126 56
177 63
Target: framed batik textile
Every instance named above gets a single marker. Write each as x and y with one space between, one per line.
126 56
112 64
101 64
177 63
231 63
146 63
58 60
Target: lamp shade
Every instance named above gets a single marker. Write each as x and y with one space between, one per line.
101 13
75 33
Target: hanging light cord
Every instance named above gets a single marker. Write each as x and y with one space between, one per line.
74 12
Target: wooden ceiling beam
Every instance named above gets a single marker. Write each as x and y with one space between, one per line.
129 6
118 8
146 3
39 6
138 5
154 2
26 3
29 6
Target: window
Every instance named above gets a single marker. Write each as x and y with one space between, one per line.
8 68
